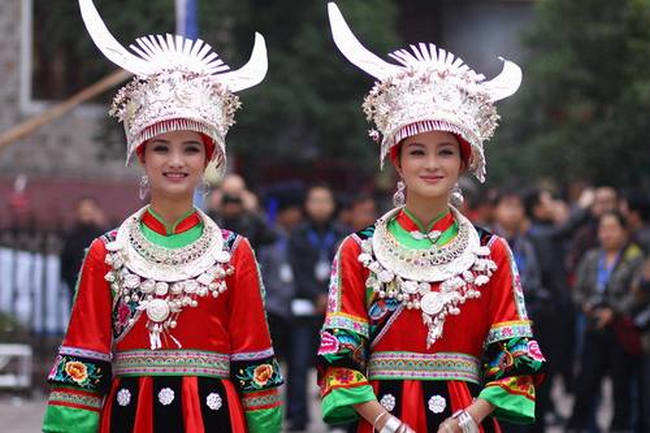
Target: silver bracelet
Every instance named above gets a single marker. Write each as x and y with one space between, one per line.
377 418
391 426
465 421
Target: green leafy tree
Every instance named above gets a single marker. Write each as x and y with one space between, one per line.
309 107
582 111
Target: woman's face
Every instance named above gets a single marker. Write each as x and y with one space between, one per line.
430 164
174 163
611 233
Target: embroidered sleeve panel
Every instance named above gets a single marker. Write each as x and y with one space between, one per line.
514 357
87 373
345 333
340 377
507 330
341 389
513 399
83 361
256 375
342 348
75 398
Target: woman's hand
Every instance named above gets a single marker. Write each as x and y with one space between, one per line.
450 425
378 417
478 411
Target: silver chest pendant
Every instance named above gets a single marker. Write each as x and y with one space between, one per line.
406 275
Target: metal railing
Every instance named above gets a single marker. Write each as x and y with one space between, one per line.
31 289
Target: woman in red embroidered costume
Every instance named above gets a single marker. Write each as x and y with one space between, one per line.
168 332
426 328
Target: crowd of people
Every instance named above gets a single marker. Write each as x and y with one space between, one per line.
582 264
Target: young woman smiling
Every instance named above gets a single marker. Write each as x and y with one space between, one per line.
426 327
168 332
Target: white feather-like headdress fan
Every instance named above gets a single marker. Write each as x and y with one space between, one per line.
428 89
179 84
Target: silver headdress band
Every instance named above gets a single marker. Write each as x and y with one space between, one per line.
180 84
428 90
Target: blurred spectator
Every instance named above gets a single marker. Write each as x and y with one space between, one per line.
311 250
480 207
605 199
236 210
363 212
90 223
550 228
511 223
638 217
277 273
641 316
604 293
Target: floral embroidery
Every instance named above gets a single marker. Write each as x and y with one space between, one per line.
77 371
339 377
328 343
86 374
124 316
262 374
347 322
507 330
535 351
515 357
256 377
350 345
517 385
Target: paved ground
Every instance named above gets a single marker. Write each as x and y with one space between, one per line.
21 415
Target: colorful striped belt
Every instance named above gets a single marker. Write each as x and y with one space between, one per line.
171 362
424 366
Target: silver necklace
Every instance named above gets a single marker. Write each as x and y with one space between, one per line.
406 275
162 283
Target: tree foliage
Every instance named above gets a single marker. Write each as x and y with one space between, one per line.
582 111
309 106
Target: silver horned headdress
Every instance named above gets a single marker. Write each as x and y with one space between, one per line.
179 84
428 90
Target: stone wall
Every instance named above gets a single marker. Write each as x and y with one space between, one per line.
69 146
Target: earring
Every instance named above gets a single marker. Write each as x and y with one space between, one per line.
457 198
144 186
399 198
204 188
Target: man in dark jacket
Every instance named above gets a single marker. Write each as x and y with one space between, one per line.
89 225
311 250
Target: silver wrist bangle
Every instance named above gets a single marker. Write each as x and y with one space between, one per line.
465 421
391 426
377 418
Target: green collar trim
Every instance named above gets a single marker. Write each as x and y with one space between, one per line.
173 240
405 238
169 229
428 227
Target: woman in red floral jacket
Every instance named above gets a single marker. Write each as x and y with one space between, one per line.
168 332
426 328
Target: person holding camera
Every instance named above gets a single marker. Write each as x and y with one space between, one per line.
611 340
